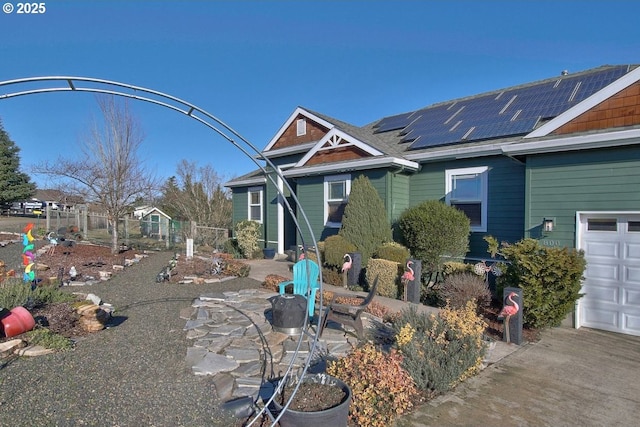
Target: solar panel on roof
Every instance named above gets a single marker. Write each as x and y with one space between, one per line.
512 111
393 122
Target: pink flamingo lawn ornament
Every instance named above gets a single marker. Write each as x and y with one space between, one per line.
507 311
345 268
407 276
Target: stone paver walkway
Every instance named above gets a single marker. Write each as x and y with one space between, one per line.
233 341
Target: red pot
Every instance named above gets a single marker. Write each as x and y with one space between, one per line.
17 322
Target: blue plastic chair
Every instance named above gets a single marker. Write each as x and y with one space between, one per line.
305 282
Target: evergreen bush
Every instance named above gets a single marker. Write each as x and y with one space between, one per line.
453 267
440 350
331 276
365 222
334 249
231 247
392 251
247 235
432 231
387 273
14 184
550 279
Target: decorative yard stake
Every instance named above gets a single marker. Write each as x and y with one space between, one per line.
28 256
512 315
411 281
345 269
354 269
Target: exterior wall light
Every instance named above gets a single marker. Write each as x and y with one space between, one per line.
547 224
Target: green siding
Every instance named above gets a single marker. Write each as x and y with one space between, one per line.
310 195
240 197
398 197
564 183
240 204
506 196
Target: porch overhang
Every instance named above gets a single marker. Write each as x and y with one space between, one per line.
363 164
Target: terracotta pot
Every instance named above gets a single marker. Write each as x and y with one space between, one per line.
18 321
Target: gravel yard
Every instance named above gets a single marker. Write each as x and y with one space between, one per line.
131 374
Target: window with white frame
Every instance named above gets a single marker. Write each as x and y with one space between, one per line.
255 204
336 195
467 190
301 127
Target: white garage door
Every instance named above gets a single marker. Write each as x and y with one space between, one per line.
612 278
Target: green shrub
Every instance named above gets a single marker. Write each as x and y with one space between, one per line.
48 339
365 222
452 267
334 249
231 247
381 389
387 273
247 236
14 292
440 350
459 288
331 276
392 251
550 279
433 230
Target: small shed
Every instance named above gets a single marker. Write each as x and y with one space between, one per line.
155 224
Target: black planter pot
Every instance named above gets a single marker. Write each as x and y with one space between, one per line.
289 312
336 416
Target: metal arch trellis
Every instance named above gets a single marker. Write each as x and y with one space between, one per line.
50 84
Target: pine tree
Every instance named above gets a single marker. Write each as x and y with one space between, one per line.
365 222
14 185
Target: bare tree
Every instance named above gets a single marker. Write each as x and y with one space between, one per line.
109 171
198 195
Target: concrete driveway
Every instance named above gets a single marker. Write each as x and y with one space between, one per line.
570 377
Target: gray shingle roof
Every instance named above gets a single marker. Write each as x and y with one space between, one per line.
498 114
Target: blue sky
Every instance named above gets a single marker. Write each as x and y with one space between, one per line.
252 63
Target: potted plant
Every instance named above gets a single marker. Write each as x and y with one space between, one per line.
319 401
269 253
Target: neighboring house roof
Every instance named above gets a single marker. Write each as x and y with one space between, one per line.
156 210
505 121
49 195
58 196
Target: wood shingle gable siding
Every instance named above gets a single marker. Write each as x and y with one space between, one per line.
290 138
337 154
622 109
